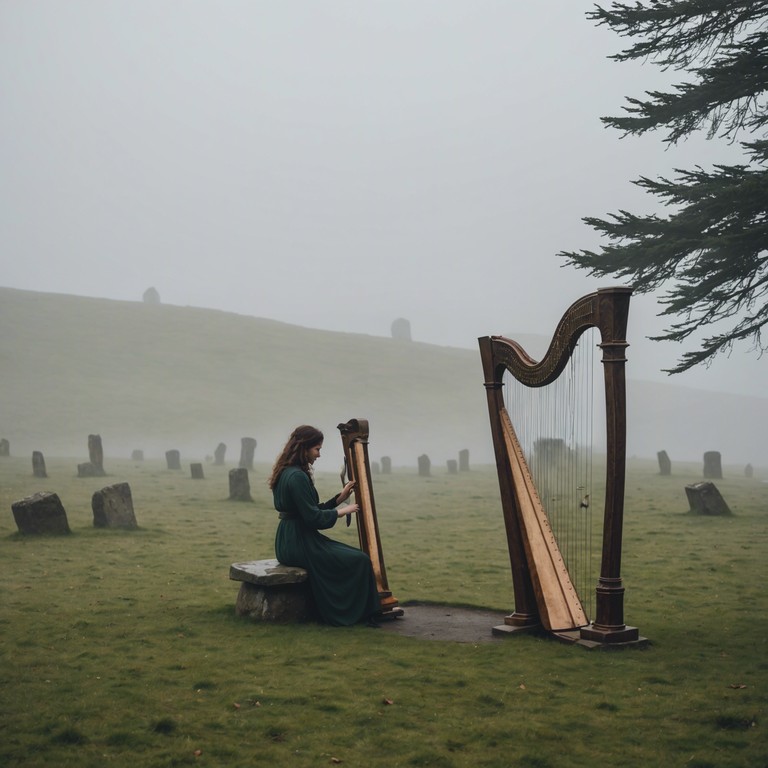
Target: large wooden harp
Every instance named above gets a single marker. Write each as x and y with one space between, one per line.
354 438
544 593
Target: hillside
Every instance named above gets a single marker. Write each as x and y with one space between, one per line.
157 377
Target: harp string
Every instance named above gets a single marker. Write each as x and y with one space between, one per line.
555 427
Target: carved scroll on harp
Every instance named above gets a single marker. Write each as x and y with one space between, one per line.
543 589
354 437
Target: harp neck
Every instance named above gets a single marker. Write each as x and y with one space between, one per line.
606 309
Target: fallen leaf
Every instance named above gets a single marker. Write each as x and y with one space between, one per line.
388 701
522 686
197 752
236 705
737 685
335 760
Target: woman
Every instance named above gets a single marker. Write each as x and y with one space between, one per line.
340 576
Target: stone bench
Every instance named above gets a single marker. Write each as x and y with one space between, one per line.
272 592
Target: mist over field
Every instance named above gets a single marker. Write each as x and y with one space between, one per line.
155 377
332 165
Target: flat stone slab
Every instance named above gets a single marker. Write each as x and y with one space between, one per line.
267 573
272 592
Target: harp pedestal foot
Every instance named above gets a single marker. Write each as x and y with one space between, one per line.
390 608
518 622
595 636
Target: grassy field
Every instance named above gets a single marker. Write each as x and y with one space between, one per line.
122 647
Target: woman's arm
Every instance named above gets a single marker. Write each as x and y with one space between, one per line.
304 501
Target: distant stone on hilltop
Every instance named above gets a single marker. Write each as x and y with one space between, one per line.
401 329
151 296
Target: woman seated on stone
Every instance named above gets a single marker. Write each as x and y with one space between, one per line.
340 576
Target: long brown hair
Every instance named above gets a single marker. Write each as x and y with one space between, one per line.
294 453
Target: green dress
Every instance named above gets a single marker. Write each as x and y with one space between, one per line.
340 576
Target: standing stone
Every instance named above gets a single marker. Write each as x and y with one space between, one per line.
424 465
151 296
197 471
96 454
137 455
712 465
375 468
401 329
5 448
86 469
665 465
386 465
705 499
218 454
239 485
247 449
453 467
464 460
113 507
173 459
749 471
40 513
38 464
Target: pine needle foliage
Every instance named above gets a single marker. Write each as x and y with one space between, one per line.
711 251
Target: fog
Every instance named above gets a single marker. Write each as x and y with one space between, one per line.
335 165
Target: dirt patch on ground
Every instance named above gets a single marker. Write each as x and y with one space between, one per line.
446 622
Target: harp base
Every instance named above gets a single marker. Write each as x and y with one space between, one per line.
390 608
588 637
518 622
593 636
390 615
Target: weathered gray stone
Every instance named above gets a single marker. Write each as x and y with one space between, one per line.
401 329
5 447
40 513
425 465
173 459
453 467
151 296
749 471
665 465
267 573
38 464
464 460
272 592
218 454
247 450
113 507
137 455
705 499
386 465
86 469
96 454
196 471
713 469
239 485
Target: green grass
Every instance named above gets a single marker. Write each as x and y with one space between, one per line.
122 647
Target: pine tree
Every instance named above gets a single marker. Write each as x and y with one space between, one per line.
711 251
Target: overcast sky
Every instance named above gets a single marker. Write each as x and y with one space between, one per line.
330 164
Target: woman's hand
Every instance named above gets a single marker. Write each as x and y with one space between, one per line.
346 491
350 509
